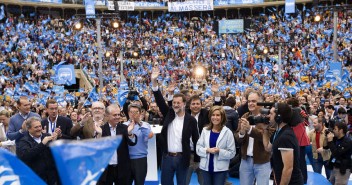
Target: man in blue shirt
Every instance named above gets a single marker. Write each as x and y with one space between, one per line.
16 127
139 152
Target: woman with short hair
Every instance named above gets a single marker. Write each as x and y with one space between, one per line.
216 147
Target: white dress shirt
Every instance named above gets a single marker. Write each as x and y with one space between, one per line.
113 160
174 134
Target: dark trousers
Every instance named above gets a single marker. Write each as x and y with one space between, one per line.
214 178
112 177
171 165
302 163
139 170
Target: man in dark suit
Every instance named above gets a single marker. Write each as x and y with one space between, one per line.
33 150
56 122
119 168
178 128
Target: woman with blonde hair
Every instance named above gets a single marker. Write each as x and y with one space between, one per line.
4 124
216 147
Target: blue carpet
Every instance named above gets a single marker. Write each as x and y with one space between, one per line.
313 179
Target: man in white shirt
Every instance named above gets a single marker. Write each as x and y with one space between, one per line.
178 127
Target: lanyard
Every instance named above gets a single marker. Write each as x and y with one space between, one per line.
53 124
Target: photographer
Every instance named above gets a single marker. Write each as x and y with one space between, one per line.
284 146
255 161
341 151
134 97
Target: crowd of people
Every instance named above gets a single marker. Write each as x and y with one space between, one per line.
218 104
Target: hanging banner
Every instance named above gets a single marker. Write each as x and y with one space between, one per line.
229 2
290 6
65 75
45 1
231 26
90 8
196 5
123 5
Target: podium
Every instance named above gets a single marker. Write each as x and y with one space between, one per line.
152 174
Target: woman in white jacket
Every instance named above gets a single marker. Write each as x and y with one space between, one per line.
216 147
4 123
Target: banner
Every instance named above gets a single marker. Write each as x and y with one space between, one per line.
149 4
100 2
44 1
229 2
14 171
194 5
231 26
123 5
90 8
126 5
290 6
82 162
65 75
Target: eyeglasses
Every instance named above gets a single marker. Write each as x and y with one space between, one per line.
98 108
134 112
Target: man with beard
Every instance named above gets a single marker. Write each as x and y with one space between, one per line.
178 127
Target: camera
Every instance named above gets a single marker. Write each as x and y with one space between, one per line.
253 120
296 117
133 95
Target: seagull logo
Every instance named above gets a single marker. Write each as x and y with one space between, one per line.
9 177
90 178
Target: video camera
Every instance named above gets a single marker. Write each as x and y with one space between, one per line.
133 95
296 117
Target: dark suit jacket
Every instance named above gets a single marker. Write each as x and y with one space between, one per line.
38 157
123 156
203 119
64 123
189 129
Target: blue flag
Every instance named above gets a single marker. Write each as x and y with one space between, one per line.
83 162
122 97
14 171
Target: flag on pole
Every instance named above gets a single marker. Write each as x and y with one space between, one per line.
83 162
14 171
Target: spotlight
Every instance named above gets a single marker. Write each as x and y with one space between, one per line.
199 71
107 54
115 24
265 51
317 18
78 25
135 54
293 49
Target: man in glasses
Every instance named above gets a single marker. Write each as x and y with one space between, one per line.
89 127
139 152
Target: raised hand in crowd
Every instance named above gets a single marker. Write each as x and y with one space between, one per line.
130 127
155 74
171 88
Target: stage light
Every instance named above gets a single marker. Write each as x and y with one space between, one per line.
115 24
135 54
293 49
265 51
199 71
107 54
78 25
317 18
